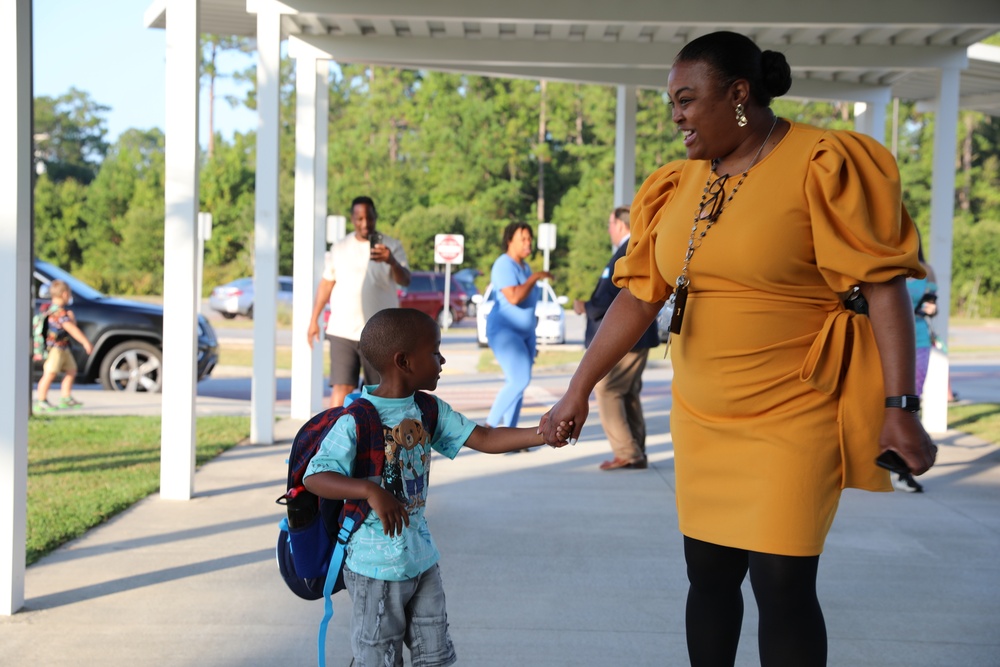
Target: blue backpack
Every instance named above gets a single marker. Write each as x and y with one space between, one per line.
39 332
313 536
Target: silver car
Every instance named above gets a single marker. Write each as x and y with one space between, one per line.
551 318
236 298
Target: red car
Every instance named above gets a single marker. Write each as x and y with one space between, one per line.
426 293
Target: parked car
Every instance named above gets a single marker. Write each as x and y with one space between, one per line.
426 293
236 298
127 336
467 279
551 326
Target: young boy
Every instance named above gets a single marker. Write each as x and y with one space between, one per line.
391 568
59 359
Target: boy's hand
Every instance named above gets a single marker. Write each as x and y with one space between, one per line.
563 432
390 511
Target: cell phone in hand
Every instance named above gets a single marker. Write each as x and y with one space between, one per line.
374 238
892 462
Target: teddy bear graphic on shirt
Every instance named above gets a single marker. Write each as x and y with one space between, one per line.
406 461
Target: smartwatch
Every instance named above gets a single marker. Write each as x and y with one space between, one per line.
907 402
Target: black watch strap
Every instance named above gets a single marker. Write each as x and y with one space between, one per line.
907 402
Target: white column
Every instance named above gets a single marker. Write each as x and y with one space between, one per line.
265 278
319 224
180 241
935 403
15 299
310 208
625 146
870 115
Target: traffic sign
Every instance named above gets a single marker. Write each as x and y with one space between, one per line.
449 248
546 236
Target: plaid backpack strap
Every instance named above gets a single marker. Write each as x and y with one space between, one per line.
369 459
428 409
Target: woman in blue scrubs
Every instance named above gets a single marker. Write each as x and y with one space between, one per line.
510 326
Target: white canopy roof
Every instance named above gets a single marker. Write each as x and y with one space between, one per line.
848 50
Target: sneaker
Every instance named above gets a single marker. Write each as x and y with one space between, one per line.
42 407
907 484
69 403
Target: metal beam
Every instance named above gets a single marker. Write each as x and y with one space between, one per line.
734 13
651 55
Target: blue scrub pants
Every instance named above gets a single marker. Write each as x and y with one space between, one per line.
516 356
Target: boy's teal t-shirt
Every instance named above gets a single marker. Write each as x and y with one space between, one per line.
371 552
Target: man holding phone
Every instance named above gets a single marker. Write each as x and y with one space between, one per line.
361 276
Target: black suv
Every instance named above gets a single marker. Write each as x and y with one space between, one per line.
127 335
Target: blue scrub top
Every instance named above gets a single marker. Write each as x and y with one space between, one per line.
520 317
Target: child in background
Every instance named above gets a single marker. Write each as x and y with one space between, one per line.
391 570
59 358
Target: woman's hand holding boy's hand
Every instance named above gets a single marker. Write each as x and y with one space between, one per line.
562 424
390 511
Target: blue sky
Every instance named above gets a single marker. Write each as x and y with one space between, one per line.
104 49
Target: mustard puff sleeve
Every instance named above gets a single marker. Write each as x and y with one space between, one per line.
637 270
861 231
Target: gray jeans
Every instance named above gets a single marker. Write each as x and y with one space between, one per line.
388 614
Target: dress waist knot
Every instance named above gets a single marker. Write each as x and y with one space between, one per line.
844 358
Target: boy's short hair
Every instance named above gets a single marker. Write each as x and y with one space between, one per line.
59 288
390 331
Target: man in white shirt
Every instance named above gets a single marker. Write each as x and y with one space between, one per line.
360 279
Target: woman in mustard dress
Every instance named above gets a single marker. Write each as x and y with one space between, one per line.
779 389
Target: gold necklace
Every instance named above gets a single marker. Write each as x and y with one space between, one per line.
715 190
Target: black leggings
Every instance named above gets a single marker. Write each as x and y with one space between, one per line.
791 630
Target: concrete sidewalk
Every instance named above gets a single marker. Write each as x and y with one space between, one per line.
546 561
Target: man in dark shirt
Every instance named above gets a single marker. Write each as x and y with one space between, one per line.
618 393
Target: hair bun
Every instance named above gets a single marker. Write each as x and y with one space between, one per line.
775 73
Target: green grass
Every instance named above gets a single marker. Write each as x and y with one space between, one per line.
979 419
242 355
83 470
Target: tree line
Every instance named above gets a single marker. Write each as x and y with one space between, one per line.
439 153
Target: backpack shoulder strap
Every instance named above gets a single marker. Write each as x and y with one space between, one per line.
369 460
429 409
307 442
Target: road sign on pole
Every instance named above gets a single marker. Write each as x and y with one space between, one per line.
546 241
449 248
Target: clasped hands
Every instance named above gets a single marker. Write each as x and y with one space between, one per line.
561 425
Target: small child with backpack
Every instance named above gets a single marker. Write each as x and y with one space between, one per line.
61 325
391 570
